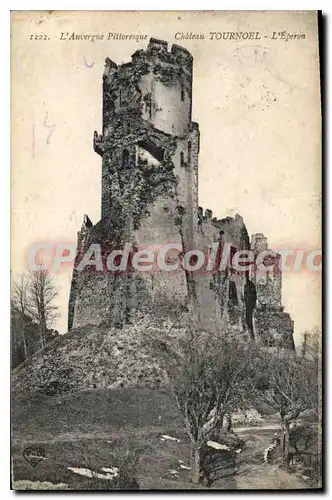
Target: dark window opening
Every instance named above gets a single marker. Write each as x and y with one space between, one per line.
182 158
193 260
125 158
232 293
189 152
232 252
156 151
182 94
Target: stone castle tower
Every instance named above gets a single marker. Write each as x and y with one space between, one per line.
149 148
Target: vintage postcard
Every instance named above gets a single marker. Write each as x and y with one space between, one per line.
166 250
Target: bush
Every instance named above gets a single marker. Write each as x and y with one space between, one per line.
128 463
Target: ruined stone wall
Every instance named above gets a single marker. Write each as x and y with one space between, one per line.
96 296
273 326
224 294
268 284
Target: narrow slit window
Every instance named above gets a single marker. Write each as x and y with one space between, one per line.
189 152
125 158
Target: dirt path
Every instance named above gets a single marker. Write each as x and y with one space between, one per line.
253 473
266 477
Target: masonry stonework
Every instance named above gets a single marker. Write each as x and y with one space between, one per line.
149 148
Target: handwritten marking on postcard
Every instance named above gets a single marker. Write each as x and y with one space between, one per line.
33 140
50 127
87 64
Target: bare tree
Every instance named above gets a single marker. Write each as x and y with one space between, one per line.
21 304
208 383
311 345
42 292
292 387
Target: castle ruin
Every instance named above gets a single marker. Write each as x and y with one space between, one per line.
149 148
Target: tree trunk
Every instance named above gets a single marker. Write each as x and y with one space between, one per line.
41 335
24 345
285 442
43 324
195 463
229 423
23 336
42 314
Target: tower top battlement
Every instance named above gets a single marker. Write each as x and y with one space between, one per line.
176 55
158 45
161 47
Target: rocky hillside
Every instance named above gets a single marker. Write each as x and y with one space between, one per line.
97 357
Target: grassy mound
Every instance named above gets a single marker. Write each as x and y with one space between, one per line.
94 358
